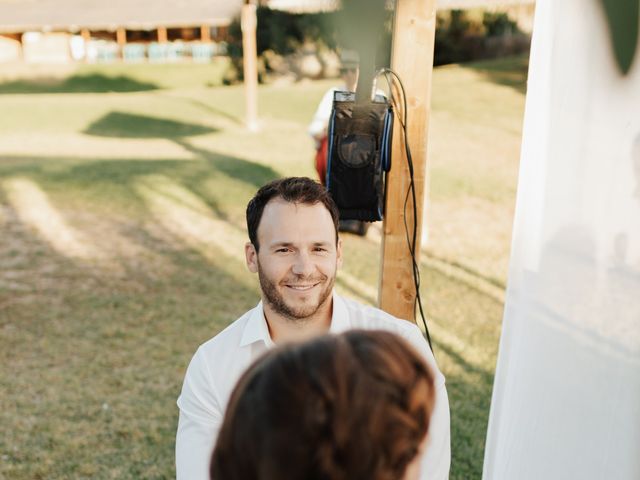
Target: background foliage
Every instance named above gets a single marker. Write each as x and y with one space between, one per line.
461 36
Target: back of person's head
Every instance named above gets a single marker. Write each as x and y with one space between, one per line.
346 407
294 190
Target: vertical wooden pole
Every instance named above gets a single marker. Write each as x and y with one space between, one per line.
86 36
121 39
121 36
205 34
249 24
162 34
412 59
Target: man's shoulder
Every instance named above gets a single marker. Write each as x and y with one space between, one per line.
373 318
229 338
367 317
215 368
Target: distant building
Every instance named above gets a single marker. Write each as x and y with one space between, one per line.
149 30
95 30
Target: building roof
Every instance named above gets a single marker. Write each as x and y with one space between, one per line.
464 4
72 15
303 6
25 15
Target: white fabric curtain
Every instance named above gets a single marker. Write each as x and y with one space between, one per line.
566 399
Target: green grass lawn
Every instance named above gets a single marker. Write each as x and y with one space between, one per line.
122 196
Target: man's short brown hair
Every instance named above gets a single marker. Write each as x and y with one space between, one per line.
291 189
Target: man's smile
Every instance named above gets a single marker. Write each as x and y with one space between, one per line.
303 287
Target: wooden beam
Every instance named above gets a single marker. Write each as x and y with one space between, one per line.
249 24
412 59
86 36
121 36
162 34
205 33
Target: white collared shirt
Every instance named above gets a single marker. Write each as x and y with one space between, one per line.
219 363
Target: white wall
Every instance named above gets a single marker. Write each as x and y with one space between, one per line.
10 50
566 400
46 47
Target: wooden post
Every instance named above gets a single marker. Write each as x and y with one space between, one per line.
86 36
412 59
162 34
249 23
121 39
121 36
205 34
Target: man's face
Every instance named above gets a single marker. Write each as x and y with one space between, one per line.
298 258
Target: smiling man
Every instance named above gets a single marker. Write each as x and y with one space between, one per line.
295 250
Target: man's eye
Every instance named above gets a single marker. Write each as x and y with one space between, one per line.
282 250
320 249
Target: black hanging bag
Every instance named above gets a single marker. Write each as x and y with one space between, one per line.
359 155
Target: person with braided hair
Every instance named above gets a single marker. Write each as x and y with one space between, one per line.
353 406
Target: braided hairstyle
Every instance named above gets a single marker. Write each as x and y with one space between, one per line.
341 407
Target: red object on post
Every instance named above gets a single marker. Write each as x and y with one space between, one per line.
321 160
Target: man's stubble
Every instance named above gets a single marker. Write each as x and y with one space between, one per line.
277 302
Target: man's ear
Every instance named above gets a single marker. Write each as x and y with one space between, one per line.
339 253
251 257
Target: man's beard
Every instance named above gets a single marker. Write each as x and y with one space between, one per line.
277 302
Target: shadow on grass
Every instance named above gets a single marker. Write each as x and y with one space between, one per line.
469 320
114 343
216 111
127 125
114 180
246 171
469 421
94 83
354 291
469 403
511 71
485 376
495 282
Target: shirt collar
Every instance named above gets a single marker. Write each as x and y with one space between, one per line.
256 328
339 316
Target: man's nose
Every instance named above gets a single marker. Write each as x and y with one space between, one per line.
303 265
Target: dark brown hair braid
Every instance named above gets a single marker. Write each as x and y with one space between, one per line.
346 407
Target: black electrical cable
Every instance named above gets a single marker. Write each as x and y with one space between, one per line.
411 190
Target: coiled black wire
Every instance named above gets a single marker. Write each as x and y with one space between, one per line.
391 77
